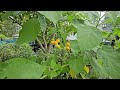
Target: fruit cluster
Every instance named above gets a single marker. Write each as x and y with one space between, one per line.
67 46
57 42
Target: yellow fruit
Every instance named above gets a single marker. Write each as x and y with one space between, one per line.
86 69
53 42
57 46
67 44
58 40
68 48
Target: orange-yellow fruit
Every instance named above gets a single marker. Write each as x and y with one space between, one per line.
57 46
68 48
67 44
53 42
58 40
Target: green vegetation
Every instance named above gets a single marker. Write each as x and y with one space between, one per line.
73 45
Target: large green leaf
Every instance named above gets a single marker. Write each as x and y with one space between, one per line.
88 37
53 16
113 15
43 23
74 46
111 61
2 66
92 15
99 69
86 58
19 68
76 64
29 31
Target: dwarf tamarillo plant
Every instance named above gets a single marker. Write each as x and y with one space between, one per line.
73 45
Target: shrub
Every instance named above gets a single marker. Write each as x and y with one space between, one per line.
11 50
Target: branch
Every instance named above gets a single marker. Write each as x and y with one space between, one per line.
40 44
99 20
109 35
45 43
50 46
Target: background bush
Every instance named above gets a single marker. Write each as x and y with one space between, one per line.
8 51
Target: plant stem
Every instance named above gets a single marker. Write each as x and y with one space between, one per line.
98 23
40 44
109 34
45 43
43 77
50 46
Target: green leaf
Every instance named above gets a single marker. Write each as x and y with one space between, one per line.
53 74
65 69
62 34
111 61
78 21
74 46
48 61
118 20
92 15
88 37
19 68
17 12
52 30
113 15
76 64
43 23
33 58
29 31
6 15
118 50
53 16
107 21
54 65
86 58
116 31
3 36
99 69
105 34
2 66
